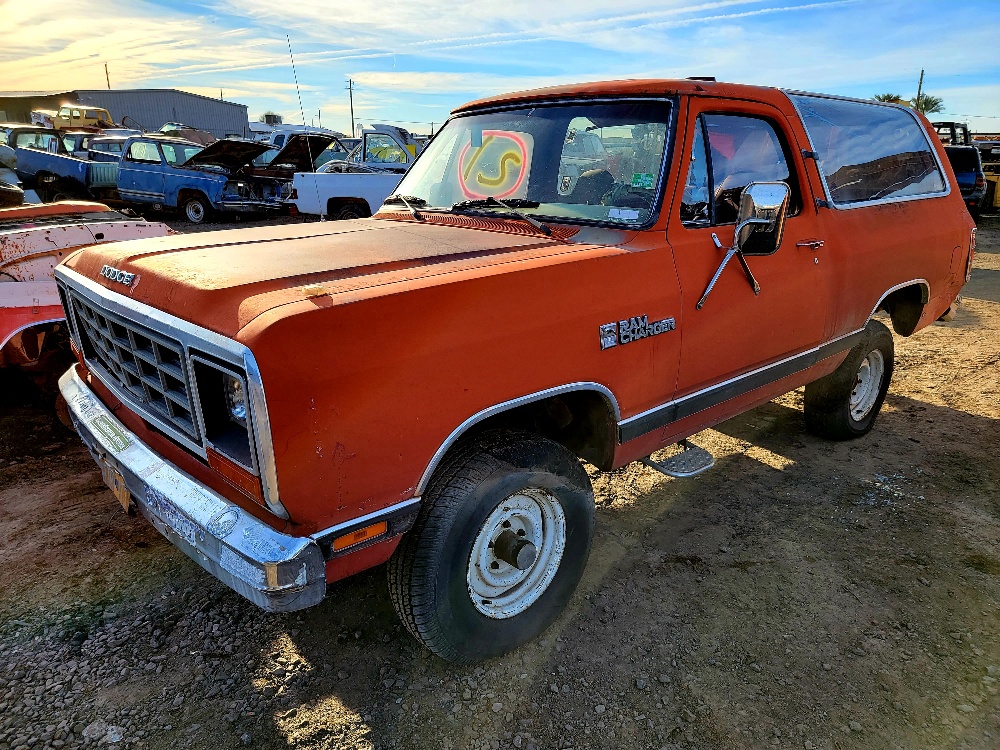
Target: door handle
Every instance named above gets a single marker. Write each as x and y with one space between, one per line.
811 244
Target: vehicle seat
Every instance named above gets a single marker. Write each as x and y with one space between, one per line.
591 186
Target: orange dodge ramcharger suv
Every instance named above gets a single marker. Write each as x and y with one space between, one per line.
584 273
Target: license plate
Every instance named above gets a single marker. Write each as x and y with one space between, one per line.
116 483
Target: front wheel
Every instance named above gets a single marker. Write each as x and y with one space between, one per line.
196 209
844 404
499 546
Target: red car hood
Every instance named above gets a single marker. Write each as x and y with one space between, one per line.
223 280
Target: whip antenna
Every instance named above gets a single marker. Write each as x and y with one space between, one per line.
302 112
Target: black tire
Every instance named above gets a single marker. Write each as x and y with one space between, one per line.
350 211
829 411
196 209
431 572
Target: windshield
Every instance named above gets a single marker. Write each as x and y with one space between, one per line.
589 162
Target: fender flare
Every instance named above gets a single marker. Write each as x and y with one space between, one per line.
513 403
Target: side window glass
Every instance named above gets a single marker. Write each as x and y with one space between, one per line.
695 206
279 140
143 151
869 152
76 114
743 150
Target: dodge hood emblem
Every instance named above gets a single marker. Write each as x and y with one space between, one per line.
114 274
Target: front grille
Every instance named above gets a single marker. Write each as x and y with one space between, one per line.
145 365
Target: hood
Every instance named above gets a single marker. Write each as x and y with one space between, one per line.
295 156
223 280
229 154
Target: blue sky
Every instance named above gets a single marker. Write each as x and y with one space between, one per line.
413 60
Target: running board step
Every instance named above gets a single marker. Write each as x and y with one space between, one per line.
692 460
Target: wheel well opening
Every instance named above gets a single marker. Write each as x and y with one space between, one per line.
905 306
582 421
334 205
188 193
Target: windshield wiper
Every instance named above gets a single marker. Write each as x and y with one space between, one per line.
512 205
408 201
483 202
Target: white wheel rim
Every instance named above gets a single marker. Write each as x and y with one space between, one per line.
498 589
867 384
195 211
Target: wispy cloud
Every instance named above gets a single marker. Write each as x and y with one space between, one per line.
418 60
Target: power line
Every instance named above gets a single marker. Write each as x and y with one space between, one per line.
956 114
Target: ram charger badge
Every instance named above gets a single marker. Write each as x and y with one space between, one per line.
633 329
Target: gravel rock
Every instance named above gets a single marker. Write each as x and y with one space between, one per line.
855 726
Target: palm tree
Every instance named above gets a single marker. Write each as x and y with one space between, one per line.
891 98
928 104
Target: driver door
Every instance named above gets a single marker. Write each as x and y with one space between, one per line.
140 173
731 144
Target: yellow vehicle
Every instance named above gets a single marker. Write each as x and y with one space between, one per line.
75 116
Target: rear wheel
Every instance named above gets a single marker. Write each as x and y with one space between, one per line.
844 404
349 211
499 546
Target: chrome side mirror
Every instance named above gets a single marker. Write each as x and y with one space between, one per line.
760 223
759 227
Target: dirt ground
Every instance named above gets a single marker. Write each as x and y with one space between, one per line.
802 594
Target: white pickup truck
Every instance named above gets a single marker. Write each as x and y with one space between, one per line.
355 187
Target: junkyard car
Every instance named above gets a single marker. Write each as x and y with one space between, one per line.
33 239
355 186
291 405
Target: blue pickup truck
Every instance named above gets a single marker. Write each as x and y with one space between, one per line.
168 172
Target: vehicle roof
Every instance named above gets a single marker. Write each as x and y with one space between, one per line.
158 137
630 87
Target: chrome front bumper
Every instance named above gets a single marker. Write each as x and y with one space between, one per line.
277 572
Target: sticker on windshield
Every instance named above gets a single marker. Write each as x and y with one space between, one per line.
497 167
623 214
642 180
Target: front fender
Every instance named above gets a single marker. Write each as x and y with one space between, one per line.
209 185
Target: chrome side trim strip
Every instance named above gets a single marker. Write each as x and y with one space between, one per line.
692 403
206 342
506 406
882 201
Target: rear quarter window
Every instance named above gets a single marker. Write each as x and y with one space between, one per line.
869 152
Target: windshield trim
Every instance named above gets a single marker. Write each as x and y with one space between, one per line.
661 184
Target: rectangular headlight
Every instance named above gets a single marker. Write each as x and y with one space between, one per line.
225 410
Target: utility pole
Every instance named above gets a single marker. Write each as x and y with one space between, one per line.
319 114
106 76
920 88
350 90
432 129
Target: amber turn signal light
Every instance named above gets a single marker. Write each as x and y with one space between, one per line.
361 535
236 476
